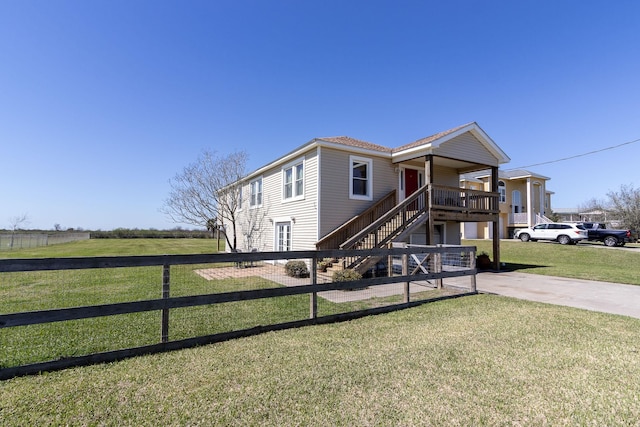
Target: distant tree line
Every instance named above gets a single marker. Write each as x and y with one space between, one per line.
136 233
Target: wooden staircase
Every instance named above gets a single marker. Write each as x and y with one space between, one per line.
395 225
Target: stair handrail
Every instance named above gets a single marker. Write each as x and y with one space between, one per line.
386 217
389 198
541 218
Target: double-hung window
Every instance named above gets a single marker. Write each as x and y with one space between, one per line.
360 178
502 191
256 193
293 181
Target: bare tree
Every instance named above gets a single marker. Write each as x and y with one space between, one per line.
18 221
208 191
16 224
593 210
252 226
625 206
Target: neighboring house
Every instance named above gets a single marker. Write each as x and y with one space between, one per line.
342 193
524 201
568 214
576 215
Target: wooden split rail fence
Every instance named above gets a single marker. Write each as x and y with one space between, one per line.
405 265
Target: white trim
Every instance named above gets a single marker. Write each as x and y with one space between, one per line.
318 191
283 220
318 143
292 165
530 217
369 179
428 148
256 205
502 195
395 157
402 180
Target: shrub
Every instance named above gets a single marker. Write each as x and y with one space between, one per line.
483 262
346 276
296 269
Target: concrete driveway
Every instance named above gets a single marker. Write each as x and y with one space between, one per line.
605 297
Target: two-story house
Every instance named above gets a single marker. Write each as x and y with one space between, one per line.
524 201
340 192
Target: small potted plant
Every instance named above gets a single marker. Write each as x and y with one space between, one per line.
322 266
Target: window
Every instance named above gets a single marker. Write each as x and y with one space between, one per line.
293 181
256 193
516 201
360 178
283 236
502 191
240 197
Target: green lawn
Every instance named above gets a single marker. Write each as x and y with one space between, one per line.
119 247
478 360
582 261
42 290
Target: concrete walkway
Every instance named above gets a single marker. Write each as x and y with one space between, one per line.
605 297
590 295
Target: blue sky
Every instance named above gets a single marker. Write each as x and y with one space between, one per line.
102 102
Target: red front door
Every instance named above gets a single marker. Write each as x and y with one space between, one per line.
411 184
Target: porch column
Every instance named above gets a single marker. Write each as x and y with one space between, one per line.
530 217
428 179
496 221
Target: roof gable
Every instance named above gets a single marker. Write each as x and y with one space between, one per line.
432 144
428 140
428 145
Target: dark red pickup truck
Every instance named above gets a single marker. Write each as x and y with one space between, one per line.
599 232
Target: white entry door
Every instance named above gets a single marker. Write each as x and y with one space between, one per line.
283 236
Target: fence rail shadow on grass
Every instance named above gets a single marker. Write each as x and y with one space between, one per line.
408 269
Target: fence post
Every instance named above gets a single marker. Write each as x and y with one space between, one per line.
313 296
472 265
438 266
166 285
405 271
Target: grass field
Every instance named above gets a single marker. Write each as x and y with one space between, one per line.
582 261
42 290
479 360
120 247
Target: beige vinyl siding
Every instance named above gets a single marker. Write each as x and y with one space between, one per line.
335 205
251 220
446 176
452 233
466 147
302 213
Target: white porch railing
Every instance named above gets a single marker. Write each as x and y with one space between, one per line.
518 218
523 218
540 218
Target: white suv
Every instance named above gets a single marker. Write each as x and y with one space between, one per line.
560 232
